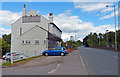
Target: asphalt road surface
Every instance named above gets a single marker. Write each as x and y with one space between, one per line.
83 61
99 62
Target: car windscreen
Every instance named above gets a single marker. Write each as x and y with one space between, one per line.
8 54
64 48
57 48
52 49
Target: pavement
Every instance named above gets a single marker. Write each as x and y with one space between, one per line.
52 65
38 66
83 61
72 65
0 67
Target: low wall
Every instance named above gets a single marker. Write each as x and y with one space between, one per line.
108 47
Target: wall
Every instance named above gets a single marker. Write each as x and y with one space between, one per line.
108 47
33 49
15 38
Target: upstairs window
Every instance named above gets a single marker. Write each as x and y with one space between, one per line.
20 31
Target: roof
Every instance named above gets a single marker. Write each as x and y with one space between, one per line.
33 28
56 27
32 12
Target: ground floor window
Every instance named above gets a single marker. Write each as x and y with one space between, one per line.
27 42
37 41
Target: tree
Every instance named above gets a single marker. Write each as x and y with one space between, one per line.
0 46
6 43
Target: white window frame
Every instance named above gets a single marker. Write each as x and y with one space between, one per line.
36 43
27 41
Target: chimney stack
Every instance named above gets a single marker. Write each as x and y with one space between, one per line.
51 17
24 10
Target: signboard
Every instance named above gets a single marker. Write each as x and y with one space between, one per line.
28 19
66 44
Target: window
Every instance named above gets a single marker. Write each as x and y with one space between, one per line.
20 31
23 42
44 42
58 49
52 49
37 41
64 48
27 42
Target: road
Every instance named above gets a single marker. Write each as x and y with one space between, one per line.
83 61
0 67
99 62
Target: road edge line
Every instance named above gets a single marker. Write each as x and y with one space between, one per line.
83 64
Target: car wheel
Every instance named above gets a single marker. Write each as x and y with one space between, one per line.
62 54
46 54
21 57
8 60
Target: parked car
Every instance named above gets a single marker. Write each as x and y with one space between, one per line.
56 51
16 56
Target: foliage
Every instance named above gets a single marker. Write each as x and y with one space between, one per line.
72 44
101 39
6 43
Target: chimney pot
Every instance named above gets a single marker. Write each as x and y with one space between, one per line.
24 5
50 14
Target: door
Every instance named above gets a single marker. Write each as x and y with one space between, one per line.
57 51
52 51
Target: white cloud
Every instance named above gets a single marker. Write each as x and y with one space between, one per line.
7 17
92 6
95 0
4 31
107 9
109 16
97 6
65 21
68 24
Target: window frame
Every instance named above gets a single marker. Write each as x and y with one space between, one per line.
36 43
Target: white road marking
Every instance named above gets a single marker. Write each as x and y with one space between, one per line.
53 71
83 64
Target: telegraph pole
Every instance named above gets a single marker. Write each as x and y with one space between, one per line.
75 34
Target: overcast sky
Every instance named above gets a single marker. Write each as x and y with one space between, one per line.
84 17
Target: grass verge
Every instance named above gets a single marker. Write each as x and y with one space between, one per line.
15 63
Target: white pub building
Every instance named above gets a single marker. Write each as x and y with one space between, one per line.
32 34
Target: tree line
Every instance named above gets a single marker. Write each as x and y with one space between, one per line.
72 44
5 43
101 39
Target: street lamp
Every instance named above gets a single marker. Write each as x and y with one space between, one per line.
75 33
115 25
107 36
